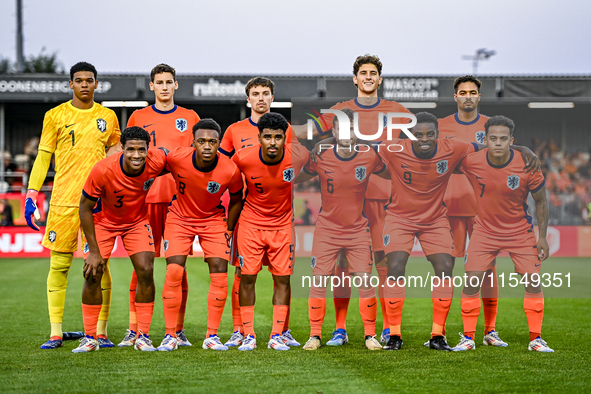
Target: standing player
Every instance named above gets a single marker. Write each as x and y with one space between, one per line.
344 175
367 77
202 175
420 172
118 186
169 126
502 187
239 135
78 132
265 225
468 125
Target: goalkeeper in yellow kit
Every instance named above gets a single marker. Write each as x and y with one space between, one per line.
79 133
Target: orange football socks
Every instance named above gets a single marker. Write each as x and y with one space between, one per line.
279 315
441 296
368 308
470 312
247 313
172 297
180 323
236 317
144 316
533 304
90 315
216 300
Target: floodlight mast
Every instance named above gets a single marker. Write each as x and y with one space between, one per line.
480 55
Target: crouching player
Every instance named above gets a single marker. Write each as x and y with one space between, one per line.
118 186
265 226
344 173
501 187
201 175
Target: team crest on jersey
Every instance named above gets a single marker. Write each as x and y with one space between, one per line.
165 245
480 136
148 184
181 124
101 124
288 175
386 239
213 187
513 182
86 248
313 262
442 167
52 236
360 173
241 261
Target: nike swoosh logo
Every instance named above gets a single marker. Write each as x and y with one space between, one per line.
168 298
444 300
118 191
70 125
328 172
450 137
289 267
180 176
105 289
316 307
255 177
227 252
151 243
244 139
51 291
217 299
537 265
392 303
369 306
403 166
479 177
280 321
148 125
246 323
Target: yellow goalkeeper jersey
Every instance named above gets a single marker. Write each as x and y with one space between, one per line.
78 138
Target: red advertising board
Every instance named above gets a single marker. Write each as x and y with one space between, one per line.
565 241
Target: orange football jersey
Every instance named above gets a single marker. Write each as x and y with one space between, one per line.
343 183
243 134
418 185
168 129
459 196
121 197
268 204
199 192
501 193
369 124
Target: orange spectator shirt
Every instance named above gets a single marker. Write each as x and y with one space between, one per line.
168 129
121 197
343 185
418 185
199 192
501 193
243 134
268 204
459 197
370 122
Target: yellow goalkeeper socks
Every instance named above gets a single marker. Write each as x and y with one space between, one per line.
57 281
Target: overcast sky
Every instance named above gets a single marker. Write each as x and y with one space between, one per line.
306 36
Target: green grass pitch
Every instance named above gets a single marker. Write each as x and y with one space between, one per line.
24 325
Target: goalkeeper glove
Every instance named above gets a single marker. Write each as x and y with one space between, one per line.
31 209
